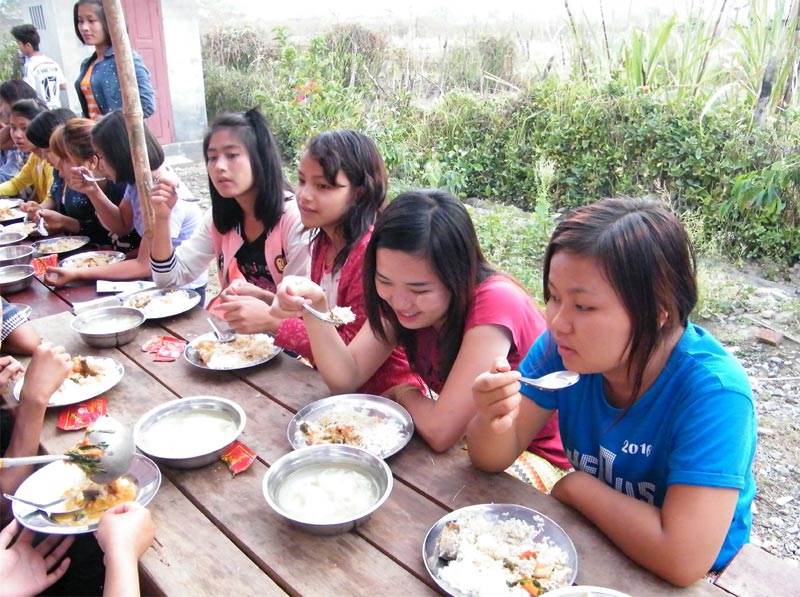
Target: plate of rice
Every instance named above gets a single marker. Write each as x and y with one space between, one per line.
92 259
499 550
60 244
159 303
89 377
246 350
374 423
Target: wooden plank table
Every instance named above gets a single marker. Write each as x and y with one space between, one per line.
216 535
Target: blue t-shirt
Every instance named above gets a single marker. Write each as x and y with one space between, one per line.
695 425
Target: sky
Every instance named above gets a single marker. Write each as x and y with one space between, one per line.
457 10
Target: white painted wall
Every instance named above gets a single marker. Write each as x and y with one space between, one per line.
182 49
184 68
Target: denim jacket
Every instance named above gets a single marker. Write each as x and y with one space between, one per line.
106 88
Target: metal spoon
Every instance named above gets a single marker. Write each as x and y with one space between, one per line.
89 178
116 440
329 317
558 380
326 317
113 438
227 336
58 506
41 228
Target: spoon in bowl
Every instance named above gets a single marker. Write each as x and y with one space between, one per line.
62 505
558 380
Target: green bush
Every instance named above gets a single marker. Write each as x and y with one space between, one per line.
599 139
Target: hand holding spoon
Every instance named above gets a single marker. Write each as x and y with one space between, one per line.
90 178
558 380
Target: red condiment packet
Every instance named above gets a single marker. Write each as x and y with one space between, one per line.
238 457
40 263
169 351
154 343
164 348
81 415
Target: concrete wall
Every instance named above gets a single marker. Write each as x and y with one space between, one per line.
185 68
53 19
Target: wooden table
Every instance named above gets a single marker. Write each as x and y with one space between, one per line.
217 536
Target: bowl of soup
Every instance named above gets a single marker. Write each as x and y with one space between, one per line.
15 278
109 326
327 489
189 432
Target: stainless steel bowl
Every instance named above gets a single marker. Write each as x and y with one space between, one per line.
109 326
14 278
15 255
158 431
7 238
307 461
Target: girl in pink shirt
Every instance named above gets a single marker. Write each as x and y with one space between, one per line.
429 290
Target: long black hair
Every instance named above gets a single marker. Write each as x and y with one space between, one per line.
269 180
110 136
41 128
357 156
435 226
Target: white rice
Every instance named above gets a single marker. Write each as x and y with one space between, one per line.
488 557
376 432
78 385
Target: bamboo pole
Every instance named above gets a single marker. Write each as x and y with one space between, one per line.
131 109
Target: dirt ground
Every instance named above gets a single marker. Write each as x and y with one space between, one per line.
774 373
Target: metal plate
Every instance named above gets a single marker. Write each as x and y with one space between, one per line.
159 303
9 237
73 395
190 353
85 260
59 244
549 531
385 415
10 213
52 481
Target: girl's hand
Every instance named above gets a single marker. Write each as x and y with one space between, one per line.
9 369
59 276
496 395
29 570
248 315
30 208
53 221
164 196
46 372
76 181
293 293
241 288
126 531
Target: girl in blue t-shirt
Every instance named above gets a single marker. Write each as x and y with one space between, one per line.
660 428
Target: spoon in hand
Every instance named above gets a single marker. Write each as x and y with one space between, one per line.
558 380
90 178
329 317
227 336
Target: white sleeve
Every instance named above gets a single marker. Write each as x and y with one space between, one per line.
190 260
297 243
